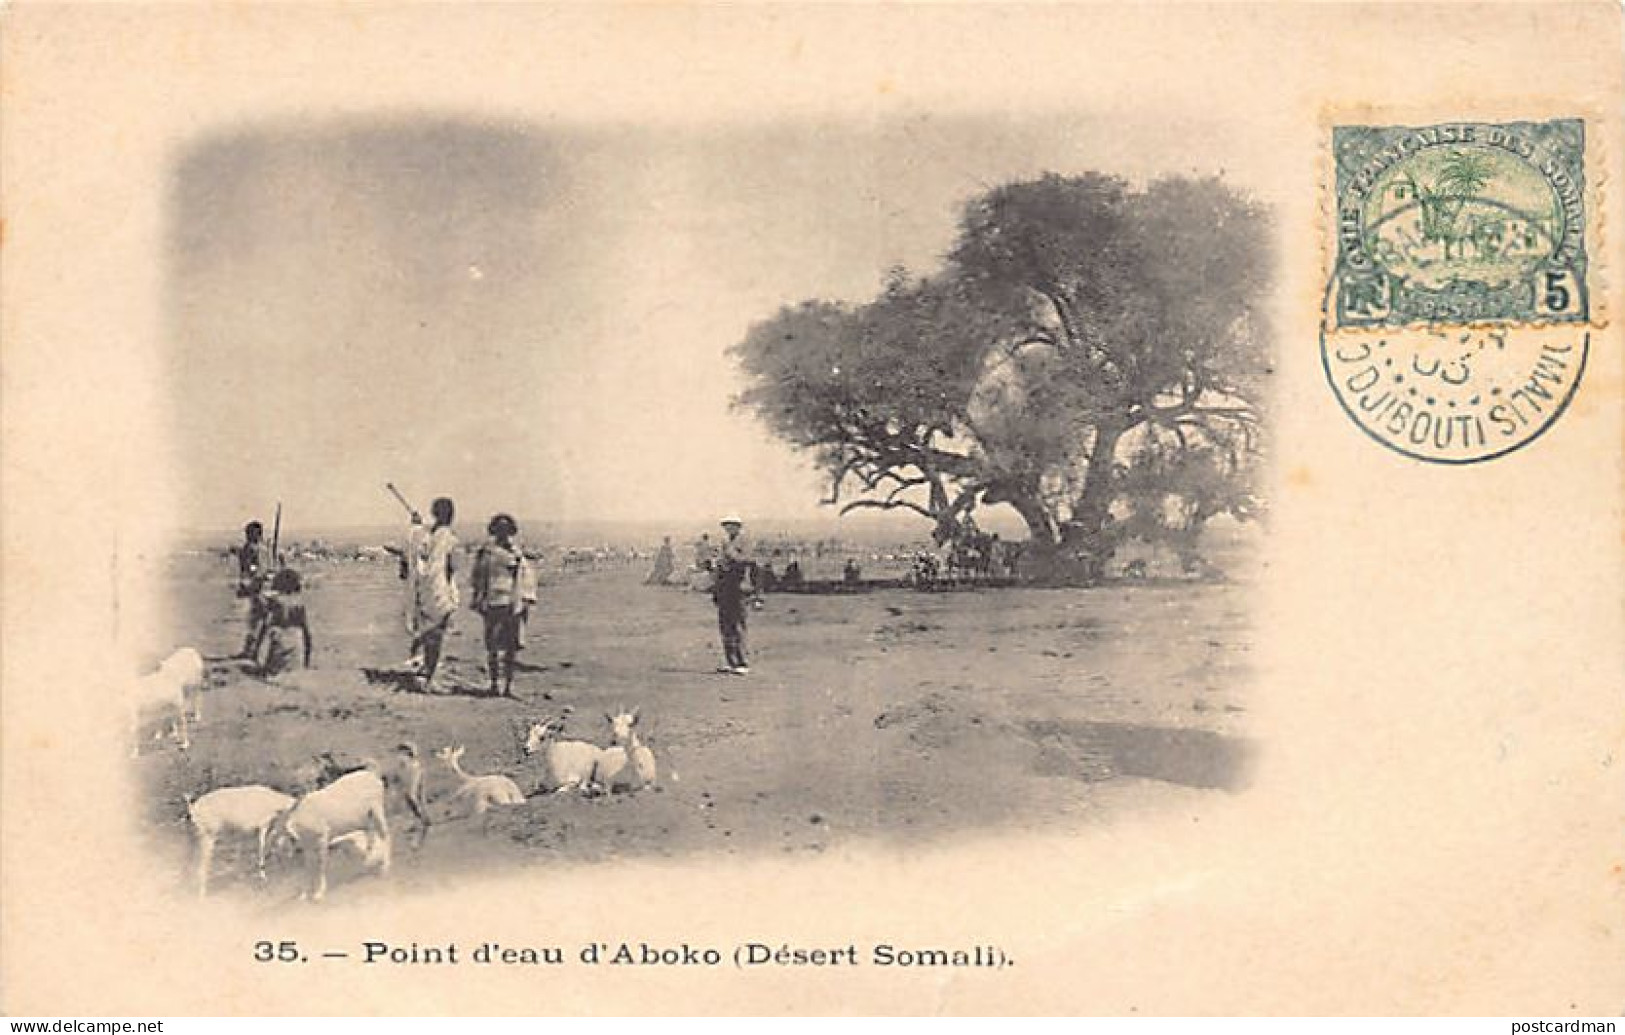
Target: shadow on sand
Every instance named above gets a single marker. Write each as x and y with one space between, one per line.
400 680
406 681
1101 750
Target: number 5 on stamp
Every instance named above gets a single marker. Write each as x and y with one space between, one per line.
1559 294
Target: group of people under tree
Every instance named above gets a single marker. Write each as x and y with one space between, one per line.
974 553
964 552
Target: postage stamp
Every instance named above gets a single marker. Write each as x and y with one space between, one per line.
1456 322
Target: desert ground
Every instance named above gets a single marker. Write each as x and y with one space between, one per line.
894 716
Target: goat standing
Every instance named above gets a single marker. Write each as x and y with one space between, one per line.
236 810
177 686
351 805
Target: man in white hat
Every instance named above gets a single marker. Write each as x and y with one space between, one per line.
731 591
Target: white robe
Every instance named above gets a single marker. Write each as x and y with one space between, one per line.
431 592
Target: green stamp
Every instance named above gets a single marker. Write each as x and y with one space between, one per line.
1461 222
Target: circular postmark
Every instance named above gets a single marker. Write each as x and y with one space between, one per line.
1455 326
1455 395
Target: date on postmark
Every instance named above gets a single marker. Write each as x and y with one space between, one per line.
1456 323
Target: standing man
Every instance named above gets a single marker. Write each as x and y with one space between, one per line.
431 573
731 591
254 567
504 590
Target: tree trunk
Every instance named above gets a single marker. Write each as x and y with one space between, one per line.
1039 556
1084 543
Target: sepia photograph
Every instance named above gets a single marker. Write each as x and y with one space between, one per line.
664 493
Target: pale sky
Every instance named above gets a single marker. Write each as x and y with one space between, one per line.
535 320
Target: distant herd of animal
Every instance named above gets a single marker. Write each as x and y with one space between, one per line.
348 809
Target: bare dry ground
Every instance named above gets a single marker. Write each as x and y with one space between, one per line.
893 716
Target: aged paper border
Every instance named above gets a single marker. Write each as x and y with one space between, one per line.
1439 825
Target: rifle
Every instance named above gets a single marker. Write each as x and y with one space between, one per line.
276 535
410 510
401 554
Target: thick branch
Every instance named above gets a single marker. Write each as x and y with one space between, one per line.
887 505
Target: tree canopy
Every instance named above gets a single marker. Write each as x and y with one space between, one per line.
1089 354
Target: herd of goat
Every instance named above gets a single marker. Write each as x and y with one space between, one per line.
348 809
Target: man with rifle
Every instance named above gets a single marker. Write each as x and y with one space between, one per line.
429 564
255 563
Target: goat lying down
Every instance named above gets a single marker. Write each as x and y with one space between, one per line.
627 764
565 764
475 795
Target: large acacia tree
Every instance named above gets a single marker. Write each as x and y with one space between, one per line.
879 394
1089 354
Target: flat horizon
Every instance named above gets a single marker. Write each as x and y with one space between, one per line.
903 526
869 528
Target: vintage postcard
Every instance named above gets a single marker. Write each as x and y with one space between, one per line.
812 509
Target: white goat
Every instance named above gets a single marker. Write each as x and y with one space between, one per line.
627 764
566 764
479 792
176 687
234 810
349 811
